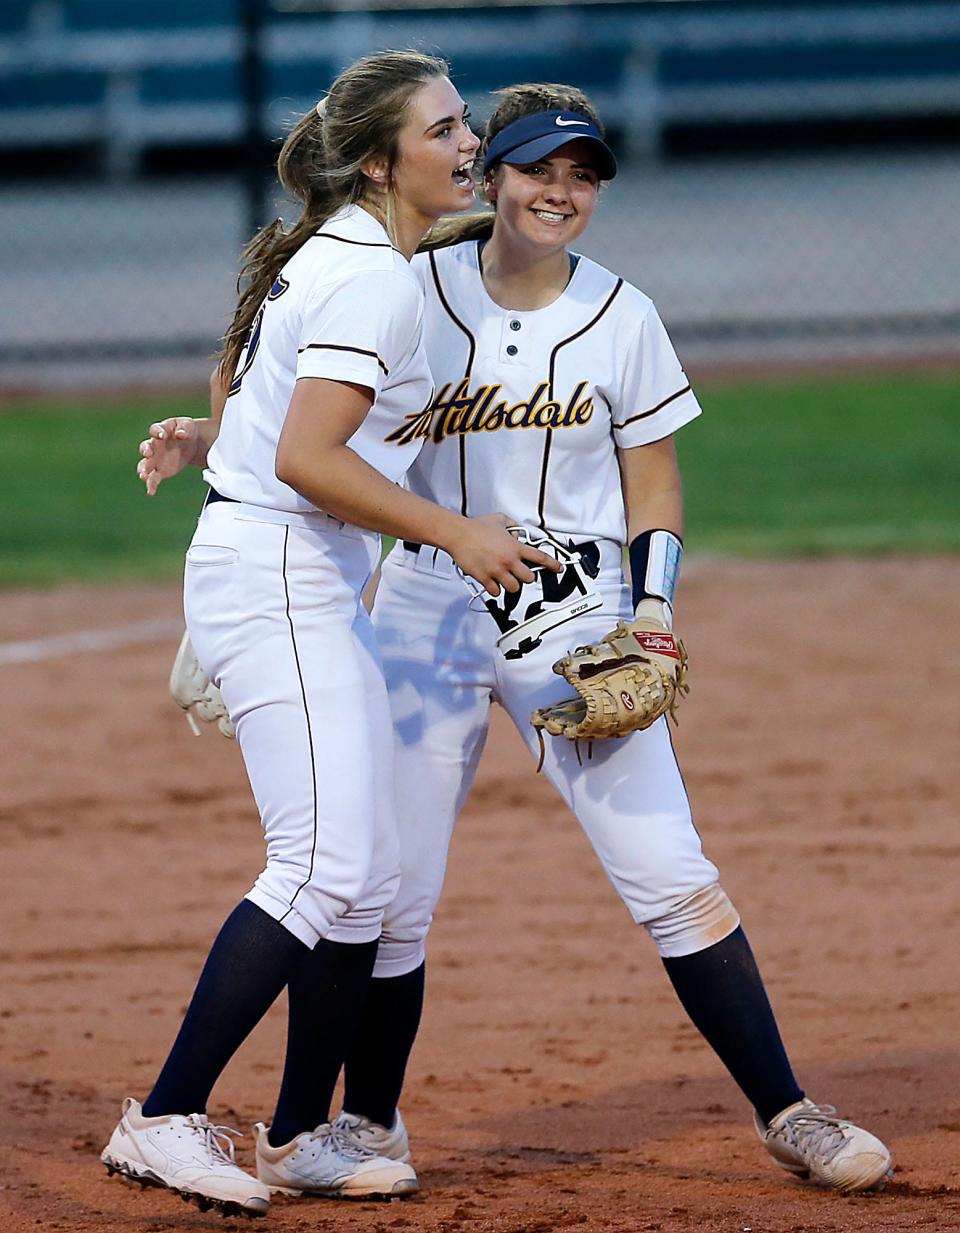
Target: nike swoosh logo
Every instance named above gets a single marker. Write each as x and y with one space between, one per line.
566 123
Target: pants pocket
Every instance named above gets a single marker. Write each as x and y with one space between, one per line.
211 554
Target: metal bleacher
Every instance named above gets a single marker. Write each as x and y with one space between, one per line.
120 76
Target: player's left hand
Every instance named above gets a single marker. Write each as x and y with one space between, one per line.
171 446
624 683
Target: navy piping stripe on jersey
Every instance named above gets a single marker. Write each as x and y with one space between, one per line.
251 346
472 352
340 347
326 235
548 434
306 714
653 410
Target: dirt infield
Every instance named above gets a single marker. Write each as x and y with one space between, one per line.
556 1083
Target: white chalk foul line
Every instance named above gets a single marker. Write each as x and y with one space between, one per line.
33 650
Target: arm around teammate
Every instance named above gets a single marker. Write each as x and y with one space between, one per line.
272 594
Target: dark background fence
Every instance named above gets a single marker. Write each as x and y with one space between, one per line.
790 176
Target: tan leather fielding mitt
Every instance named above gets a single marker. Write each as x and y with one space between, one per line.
623 683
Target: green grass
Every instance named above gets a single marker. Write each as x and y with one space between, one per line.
73 505
838 465
845 465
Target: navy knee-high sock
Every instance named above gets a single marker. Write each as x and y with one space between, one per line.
722 991
326 993
249 963
373 1076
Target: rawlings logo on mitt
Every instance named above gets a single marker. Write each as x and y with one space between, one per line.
624 683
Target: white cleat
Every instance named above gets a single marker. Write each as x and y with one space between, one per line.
393 1143
328 1162
186 1154
810 1141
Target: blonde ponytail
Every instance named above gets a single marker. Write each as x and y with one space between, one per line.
456 229
320 164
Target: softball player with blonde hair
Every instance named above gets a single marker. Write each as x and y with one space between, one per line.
324 358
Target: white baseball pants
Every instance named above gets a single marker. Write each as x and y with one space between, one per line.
273 607
443 670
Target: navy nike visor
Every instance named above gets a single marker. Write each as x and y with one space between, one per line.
532 138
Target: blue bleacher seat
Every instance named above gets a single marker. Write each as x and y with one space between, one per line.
301 78
822 62
200 83
113 15
13 15
57 88
479 73
177 63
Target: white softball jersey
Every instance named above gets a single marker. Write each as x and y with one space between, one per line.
345 307
273 586
529 407
528 413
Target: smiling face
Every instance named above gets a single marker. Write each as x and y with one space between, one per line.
432 174
546 204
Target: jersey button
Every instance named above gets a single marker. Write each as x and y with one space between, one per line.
514 325
511 350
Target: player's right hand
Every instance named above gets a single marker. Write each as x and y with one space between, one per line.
486 550
171 446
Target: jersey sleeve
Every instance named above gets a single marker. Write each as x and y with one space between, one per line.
655 398
360 329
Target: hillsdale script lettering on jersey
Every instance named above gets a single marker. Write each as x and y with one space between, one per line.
455 410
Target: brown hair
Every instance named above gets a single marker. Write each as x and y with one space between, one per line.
515 103
320 165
